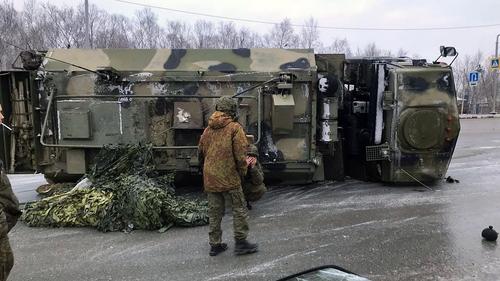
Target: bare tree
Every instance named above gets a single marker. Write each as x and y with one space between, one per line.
483 93
67 22
49 29
282 35
114 32
204 34
178 35
249 39
371 50
227 35
96 19
309 35
402 53
338 46
32 26
147 31
10 37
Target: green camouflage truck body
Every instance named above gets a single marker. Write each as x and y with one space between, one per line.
165 98
313 117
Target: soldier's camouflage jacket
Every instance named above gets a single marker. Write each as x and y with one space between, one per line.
253 185
9 206
223 148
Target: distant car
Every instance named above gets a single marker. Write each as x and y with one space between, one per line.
325 273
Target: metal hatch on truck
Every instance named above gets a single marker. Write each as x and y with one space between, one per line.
425 123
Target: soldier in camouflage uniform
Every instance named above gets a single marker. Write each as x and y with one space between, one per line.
222 148
253 183
9 213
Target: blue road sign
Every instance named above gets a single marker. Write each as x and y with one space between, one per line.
473 78
494 63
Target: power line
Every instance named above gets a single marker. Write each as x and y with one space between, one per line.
196 13
322 27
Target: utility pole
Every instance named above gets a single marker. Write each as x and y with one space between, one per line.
87 28
480 70
494 109
463 100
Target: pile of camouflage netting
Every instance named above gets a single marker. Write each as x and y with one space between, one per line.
125 194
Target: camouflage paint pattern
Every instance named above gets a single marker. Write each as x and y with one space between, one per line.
216 210
253 182
81 118
222 148
181 60
424 124
9 213
8 201
6 255
6 258
166 97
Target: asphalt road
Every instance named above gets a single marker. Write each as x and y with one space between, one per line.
380 232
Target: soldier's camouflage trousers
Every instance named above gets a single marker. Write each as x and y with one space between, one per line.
253 192
216 209
6 258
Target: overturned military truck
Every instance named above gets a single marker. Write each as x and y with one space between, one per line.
313 116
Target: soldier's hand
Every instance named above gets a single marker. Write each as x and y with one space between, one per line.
251 161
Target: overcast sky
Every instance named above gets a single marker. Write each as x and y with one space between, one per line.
347 13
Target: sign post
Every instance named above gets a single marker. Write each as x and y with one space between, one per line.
495 74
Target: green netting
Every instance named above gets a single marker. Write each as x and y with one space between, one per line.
126 193
47 190
78 208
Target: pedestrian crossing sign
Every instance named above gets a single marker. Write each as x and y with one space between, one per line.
494 63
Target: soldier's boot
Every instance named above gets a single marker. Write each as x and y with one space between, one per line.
249 207
217 249
243 247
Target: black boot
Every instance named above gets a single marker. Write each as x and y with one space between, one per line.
249 207
217 249
243 247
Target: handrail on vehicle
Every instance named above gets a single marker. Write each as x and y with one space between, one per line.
51 98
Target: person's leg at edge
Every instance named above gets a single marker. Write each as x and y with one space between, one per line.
216 208
240 223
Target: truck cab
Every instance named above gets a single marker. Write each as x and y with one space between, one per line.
400 119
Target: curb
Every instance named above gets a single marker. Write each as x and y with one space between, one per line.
478 116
